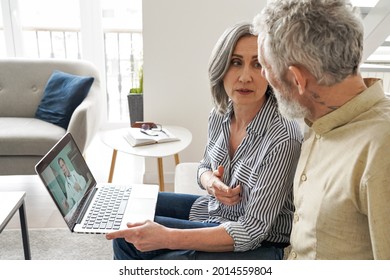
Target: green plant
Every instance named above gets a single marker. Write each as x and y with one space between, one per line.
140 88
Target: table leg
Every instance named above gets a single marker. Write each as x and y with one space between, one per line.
160 173
177 161
112 167
25 238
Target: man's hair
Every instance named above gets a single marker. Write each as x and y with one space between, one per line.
60 159
220 61
323 36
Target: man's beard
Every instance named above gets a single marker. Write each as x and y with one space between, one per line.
288 106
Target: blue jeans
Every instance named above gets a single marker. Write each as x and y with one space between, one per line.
173 211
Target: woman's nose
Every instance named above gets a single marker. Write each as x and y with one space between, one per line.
245 75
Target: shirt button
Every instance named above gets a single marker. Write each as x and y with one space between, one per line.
296 217
303 177
318 136
293 254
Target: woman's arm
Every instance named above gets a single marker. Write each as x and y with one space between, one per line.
149 236
270 188
205 165
211 181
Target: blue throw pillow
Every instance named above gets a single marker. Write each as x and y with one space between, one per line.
63 93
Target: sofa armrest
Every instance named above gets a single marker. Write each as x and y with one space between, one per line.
86 119
186 179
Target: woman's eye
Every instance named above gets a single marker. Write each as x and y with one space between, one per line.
258 65
235 62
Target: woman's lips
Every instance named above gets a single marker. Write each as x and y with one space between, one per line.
244 91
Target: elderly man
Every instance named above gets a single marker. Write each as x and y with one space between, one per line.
310 51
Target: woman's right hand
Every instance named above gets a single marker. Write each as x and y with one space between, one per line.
222 192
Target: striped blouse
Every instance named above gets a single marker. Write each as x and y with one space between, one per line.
264 166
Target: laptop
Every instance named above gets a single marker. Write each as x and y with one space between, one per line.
88 206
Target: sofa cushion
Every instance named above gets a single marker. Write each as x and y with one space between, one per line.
28 136
62 94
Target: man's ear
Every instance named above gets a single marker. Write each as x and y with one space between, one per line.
298 78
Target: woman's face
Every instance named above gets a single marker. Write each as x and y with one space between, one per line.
243 81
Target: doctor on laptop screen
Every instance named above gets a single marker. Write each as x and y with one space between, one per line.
74 185
66 183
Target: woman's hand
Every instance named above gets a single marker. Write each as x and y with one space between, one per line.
145 236
222 192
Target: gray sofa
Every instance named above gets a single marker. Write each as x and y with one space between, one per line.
24 139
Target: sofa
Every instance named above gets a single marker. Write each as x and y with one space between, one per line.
185 180
24 138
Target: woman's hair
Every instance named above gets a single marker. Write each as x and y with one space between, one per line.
220 61
323 36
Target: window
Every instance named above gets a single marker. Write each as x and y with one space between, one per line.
2 37
122 26
364 3
53 29
50 28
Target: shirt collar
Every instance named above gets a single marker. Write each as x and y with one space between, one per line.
356 106
263 118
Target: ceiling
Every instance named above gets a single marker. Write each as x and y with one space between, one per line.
376 16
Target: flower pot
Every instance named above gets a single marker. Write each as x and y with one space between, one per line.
136 107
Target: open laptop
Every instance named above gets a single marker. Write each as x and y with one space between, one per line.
82 201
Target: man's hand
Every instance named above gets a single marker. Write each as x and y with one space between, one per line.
222 192
145 236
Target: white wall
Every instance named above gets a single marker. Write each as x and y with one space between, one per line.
178 38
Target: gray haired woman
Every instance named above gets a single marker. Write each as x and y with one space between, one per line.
247 171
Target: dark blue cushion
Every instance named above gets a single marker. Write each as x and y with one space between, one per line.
63 93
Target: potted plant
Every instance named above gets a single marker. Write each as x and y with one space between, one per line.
136 100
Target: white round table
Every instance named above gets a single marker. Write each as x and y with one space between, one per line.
115 140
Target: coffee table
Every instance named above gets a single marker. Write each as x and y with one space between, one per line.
115 140
10 202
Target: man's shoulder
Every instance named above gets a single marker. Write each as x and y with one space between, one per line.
382 108
377 116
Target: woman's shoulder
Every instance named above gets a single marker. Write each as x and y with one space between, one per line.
284 126
215 116
291 127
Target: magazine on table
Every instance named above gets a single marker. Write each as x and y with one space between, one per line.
139 137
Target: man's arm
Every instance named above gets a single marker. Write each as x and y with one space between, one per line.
377 197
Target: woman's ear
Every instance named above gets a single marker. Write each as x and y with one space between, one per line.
298 78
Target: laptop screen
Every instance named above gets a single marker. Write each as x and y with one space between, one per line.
67 177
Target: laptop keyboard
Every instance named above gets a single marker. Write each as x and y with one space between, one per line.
108 209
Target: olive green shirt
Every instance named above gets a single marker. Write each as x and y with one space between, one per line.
342 183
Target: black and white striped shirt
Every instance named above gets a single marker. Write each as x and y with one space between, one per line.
264 166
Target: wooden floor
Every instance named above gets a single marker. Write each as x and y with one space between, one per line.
40 209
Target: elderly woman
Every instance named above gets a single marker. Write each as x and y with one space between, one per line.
247 170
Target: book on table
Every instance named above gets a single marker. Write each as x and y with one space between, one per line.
139 137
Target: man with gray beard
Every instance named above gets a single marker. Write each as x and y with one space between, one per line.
310 51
